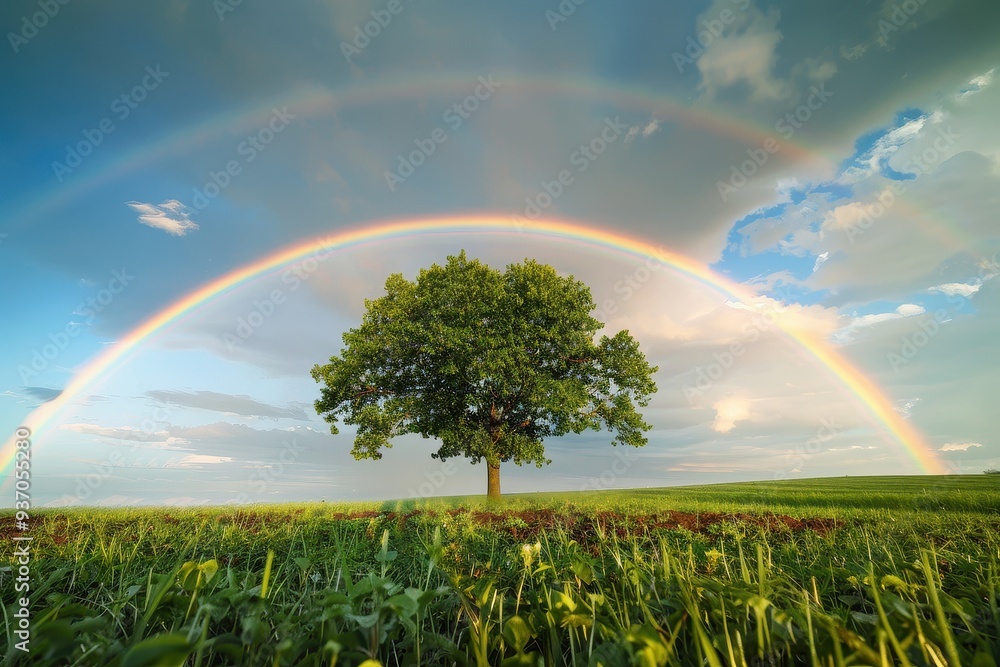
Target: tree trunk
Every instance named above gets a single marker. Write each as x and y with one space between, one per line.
492 481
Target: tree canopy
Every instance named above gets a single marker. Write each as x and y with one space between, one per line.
488 362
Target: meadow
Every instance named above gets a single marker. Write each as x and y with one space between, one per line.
839 571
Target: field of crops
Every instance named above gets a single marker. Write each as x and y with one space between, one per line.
849 571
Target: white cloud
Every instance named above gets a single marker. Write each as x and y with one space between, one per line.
729 411
903 310
956 289
744 53
647 130
171 216
976 84
884 147
959 446
910 309
772 281
199 461
905 408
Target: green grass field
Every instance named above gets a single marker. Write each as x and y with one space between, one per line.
845 571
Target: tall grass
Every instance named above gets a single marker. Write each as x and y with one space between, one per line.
889 583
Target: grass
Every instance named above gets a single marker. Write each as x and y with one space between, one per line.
845 571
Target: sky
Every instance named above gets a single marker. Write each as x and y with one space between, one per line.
836 161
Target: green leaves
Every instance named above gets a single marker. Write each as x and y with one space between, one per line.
170 650
193 575
488 362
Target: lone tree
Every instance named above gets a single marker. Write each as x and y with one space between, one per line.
488 362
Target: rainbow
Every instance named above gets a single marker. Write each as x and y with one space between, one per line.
310 100
105 363
307 101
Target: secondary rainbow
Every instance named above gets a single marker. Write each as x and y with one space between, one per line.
105 363
311 101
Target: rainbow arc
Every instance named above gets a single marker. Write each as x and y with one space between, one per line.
104 364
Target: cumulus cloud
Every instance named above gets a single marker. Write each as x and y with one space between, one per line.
170 216
959 446
728 411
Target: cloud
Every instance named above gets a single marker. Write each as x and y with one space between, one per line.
959 446
870 320
888 22
647 130
44 394
820 259
976 84
771 281
159 438
728 412
226 404
905 407
875 159
956 289
171 216
199 461
743 54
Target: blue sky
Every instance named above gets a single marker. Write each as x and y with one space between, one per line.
149 150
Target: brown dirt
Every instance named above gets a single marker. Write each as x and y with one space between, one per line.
580 525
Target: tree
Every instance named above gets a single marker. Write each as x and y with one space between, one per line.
489 362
